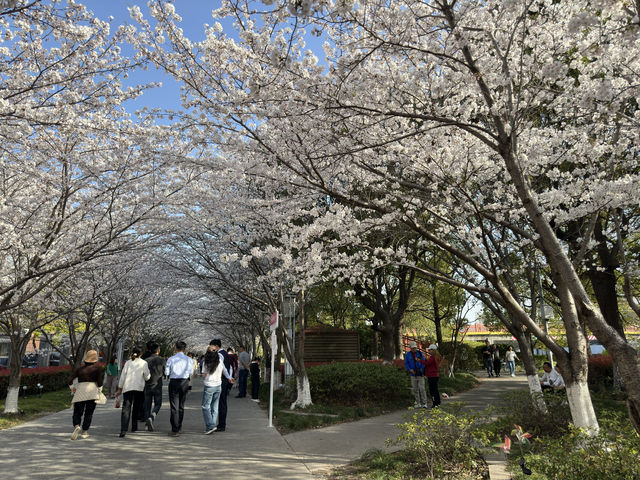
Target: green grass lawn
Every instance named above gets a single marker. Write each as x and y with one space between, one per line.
34 407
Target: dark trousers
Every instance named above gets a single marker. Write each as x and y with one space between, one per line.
496 367
85 408
152 395
178 388
255 386
135 399
243 376
222 404
433 390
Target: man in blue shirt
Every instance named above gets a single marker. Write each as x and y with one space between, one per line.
414 363
178 368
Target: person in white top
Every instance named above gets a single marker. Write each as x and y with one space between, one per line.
132 380
511 358
551 379
178 368
212 370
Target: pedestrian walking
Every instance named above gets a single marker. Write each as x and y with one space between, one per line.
178 368
413 363
497 362
226 385
233 362
153 387
85 393
487 358
254 371
131 385
511 358
244 359
213 372
112 376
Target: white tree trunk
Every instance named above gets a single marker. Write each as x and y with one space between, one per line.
536 392
582 412
304 392
11 403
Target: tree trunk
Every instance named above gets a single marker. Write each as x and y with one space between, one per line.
18 346
303 388
388 341
531 371
604 289
582 412
437 319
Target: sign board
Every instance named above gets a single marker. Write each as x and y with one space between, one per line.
273 321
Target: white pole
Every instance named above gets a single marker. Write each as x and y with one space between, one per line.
273 360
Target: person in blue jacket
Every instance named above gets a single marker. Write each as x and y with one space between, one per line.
413 363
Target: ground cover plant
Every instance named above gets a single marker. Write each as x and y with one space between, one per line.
559 451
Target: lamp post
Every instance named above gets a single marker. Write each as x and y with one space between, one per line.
546 312
289 310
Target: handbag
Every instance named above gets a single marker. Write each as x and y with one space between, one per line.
102 399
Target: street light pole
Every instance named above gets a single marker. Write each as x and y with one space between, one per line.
543 314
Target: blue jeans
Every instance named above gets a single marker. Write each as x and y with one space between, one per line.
210 398
512 366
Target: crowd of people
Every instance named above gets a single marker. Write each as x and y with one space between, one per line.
137 387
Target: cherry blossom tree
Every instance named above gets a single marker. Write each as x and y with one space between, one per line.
452 118
80 179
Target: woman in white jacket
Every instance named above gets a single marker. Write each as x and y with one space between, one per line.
132 379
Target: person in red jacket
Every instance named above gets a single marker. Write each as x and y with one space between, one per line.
432 363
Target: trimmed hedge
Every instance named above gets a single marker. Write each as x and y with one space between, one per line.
600 372
51 379
357 383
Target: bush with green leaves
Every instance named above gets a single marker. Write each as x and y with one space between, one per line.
51 379
613 454
358 383
519 408
447 442
466 357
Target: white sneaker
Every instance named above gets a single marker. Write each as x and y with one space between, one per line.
513 374
76 432
424 405
84 435
416 405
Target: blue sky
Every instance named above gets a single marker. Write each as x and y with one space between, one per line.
195 14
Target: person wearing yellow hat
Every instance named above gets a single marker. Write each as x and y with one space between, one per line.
85 394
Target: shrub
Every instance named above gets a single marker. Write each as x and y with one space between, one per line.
519 408
51 379
600 372
358 383
446 441
466 357
613 453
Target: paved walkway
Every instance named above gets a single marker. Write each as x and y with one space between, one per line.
248 449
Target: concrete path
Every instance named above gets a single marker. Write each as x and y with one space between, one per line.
326 448
42 449
248 449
